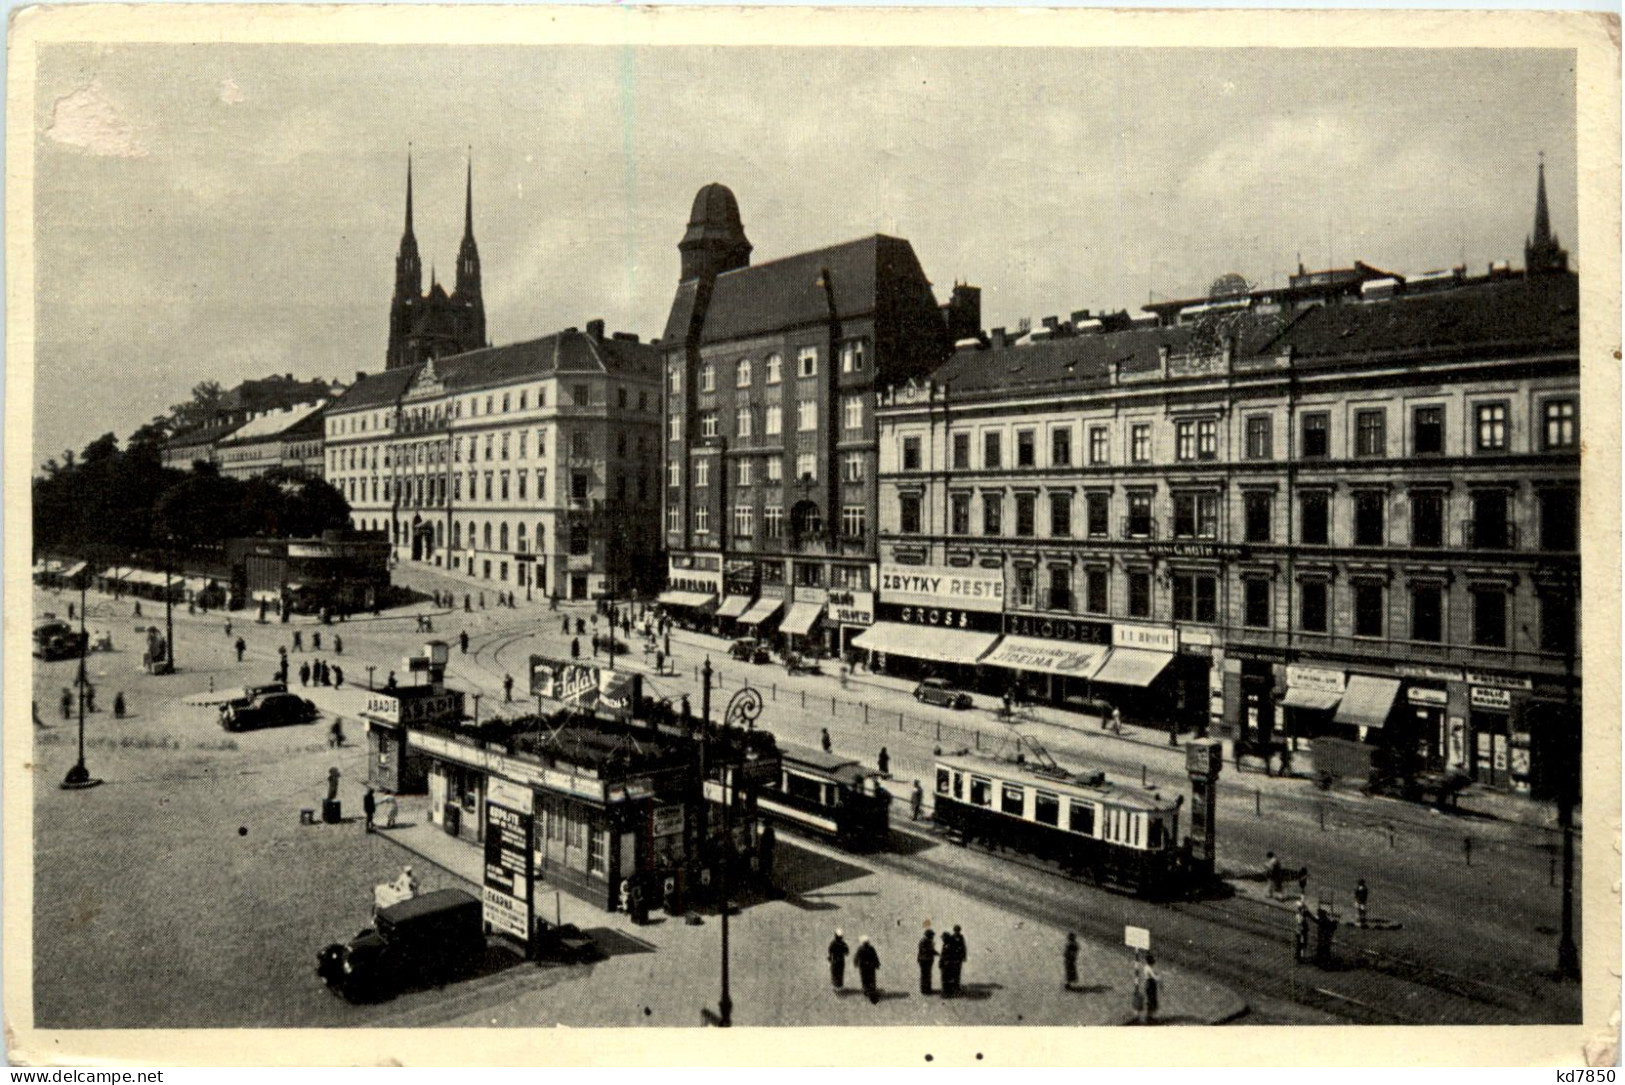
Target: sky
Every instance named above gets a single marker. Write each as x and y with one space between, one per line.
221 211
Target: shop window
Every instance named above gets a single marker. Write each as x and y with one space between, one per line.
597 850
1368 610
1312 606
1427 431
1427 613
1256 514
992 514
961 451
1368 518
1139 594
1256 603
1314 517
1012 800
1489 617
959 514
1371 433
1196 597
1559 516
1025 506
1046 808
1317 435
1081 817
981 791
1427 518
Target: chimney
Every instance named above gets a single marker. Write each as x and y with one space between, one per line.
626 337
1079 316
288 377
360 376
595 328
1052 324
963 313
999 341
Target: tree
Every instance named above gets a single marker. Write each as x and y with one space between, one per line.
207 397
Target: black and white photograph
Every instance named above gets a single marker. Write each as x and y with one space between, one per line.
965 526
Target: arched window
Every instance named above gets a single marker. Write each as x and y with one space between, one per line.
742 374
439 535
522 546
472 537
487 536
456 535
541 533
504 536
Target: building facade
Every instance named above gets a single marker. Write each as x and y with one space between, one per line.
530 466
769 450
1352 520
289 438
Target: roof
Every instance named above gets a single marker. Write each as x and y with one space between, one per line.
205 434
790 291
268 393
1107 790
375 389
568 351
846 769
276 423
1084 360
426 904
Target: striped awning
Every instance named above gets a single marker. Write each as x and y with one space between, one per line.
1133 666
733 606
686 599
925 642
760 611
801 618
1367 701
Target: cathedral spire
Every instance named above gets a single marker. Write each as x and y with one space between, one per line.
468 200
1541 250
408 190
467 287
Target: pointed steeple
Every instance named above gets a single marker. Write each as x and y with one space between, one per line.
408 190
1541 250
408 284
467 287
468 200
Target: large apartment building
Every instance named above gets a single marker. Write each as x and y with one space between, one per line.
531 466
1351 516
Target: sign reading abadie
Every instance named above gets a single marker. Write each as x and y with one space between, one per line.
927 585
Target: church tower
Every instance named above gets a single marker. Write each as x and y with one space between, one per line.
408 287
715 241
1541 251
467 288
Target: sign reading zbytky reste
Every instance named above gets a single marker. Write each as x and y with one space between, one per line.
966 589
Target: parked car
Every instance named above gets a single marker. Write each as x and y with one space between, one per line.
937 691
431 938
58 640
266 710
750 650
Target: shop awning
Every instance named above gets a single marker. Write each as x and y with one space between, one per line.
1048 656
1367 701
197 584
1133 666
117 572
69 574
1317 699
686 599
733 606
760 611
926 642
800 618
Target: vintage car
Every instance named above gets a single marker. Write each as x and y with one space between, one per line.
937 691
428 939
266 710
58 640
750 650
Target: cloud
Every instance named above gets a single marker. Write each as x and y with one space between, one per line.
230 92
89 121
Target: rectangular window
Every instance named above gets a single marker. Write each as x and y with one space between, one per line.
1260 437
911 453
908 514
807 467
1317 443
1097 514
1491 430
708 424
1196 597
702 521
1559 519
981 791
775 469
1095 584
1427 431
1561 419
674 474
743 421
853 412
744 521
523 480
742 374
1140 524
959 514
1371 433
774 422
1184 441
1207 439
1312 606
1368 518
1558 631
852 357
1368 610
541 484
1025 504
1492 529
1081 817
578 486
1026 448
854 521
1026 585
1256 515
708 378
1427 518
1140 442
992 514
775 368
1427 613
1060 516
1139 594
773 521
1046 808
581 395
1314 517
852 467
1060 447
674 518
1099 445
702 473
744 472
674 379
1196 516
807 415
992 452
807 361
961 451
1489 617
1060 587
1255 603
1012 799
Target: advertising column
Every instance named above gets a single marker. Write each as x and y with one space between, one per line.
509 816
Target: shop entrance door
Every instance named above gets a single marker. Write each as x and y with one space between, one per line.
1257 705
1431 739
578 586
1490 752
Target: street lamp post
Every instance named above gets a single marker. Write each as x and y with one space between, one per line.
169 605
78 776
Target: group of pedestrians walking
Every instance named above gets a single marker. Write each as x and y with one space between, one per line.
949 959
321 673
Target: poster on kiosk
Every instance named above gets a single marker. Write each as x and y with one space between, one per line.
509 815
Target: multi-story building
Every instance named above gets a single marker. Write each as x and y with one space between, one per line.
252 399
287 438
1352 518
769 429
532 465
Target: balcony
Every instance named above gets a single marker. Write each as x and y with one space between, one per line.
1139 527
1489 535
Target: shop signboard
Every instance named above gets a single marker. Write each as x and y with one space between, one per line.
1424 696
1499 681
1204 550
980 621
667 821
695 572
1314 679
943 587
1152 637
852 607
386 708
1496 700
559 680
1137 938
1426 670
508 851
1048 627
805 594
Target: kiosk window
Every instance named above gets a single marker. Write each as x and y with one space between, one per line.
801 787
1154 836
942 781
981 791
959 786
1082 818
1046 808
1013 801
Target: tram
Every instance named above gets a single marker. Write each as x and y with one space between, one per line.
1125 838
829 796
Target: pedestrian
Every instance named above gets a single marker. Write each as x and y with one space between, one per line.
1151 989
1117 720
316 640
482 600
298 641
1272 874
242 646
687 713
660 662
118 705
1303 882
327 672
1361 895
335 734
369 806
916 802
837 960
304 674
575 647
466 608
67 703
507 689
138 608
764 851
566 620
553 603
338 645
823 739
927 958
868 962
462 641
595 645
951 977
228 628
1069 959
70 612
338 676
390 683
1300 949
884 762
90 697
